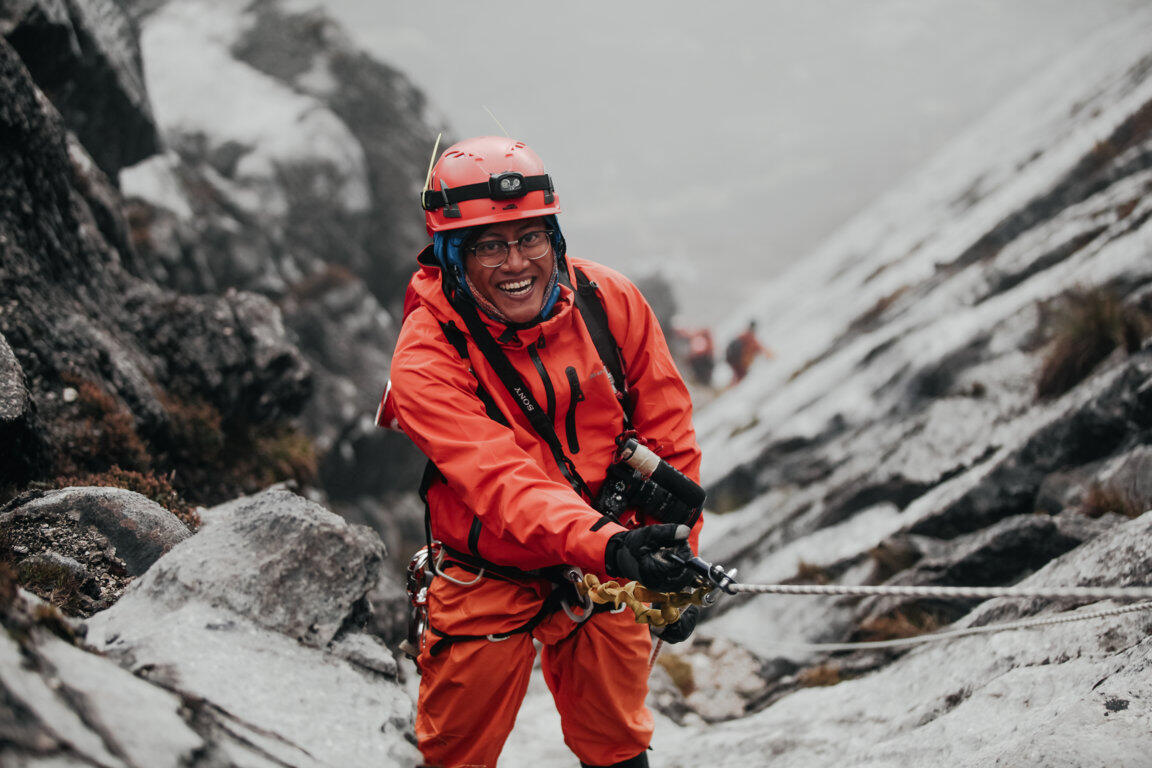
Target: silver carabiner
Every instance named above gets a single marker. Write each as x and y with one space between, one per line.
438 559
576 576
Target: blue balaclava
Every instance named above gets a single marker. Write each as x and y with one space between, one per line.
447 247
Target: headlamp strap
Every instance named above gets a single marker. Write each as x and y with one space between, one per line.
500 186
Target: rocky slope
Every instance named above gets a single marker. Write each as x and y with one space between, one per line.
962 395
103 368
235 235
291 168
241 645
114 372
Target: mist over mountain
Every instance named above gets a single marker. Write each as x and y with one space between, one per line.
718 144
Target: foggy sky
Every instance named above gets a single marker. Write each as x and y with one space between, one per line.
719 142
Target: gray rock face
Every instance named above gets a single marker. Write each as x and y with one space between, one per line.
1060 696
17 420
84 55
238 619
74 317
1002 553
330 237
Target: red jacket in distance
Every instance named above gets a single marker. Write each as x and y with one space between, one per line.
504 497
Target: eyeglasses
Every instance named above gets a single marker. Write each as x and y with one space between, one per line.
493 253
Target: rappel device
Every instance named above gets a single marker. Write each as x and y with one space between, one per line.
709 575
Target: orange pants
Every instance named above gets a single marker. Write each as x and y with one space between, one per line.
471 691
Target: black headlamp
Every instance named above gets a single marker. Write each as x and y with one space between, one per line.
505 186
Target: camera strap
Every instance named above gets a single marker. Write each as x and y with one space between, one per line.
520 392
595 318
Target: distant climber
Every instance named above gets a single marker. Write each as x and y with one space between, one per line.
743 350
701 354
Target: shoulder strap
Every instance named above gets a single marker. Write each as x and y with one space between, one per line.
456 338
596 319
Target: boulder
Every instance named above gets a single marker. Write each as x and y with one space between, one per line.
256 617
277 559
80 547
138 529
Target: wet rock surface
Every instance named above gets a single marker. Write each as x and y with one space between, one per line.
85 56
200 665
283 562
261 615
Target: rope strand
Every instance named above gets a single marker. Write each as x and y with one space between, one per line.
983 593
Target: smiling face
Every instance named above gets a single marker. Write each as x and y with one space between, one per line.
517 286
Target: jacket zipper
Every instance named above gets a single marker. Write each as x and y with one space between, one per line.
549 391
577 397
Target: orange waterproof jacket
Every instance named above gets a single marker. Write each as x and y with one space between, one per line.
504 499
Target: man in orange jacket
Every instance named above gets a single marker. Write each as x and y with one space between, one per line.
499 381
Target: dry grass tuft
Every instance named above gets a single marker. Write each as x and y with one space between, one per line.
821 676
53 583
100 432
155 487
279 452
1104 499
680 671
810 573
871 317
890 557
331 277
903 622
1086 325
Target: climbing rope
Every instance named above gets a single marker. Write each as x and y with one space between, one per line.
659 609
982 593
904 642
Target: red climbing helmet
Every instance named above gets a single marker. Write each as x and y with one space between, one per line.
486 180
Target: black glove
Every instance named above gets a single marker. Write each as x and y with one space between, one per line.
679 630
642 555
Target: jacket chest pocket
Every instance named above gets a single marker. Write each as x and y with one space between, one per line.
567 396
577 396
